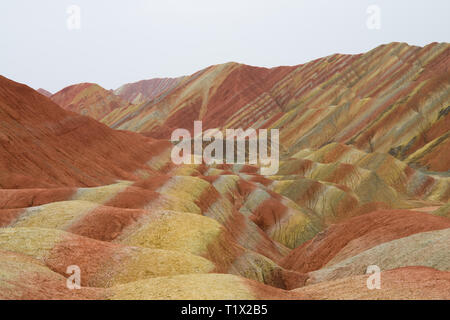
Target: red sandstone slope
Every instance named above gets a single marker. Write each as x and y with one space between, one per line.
214 95
42 145
88 99
358 234
162 235
146 90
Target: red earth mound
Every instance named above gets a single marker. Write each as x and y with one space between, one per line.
42 145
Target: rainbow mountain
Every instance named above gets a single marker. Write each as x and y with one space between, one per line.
86 179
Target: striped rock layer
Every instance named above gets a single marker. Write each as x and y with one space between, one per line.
146 90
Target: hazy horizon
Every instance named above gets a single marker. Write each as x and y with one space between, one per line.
123 42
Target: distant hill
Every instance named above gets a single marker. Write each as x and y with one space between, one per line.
363 184
88 99
44 92
146 90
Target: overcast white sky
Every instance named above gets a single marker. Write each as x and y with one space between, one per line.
127 41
